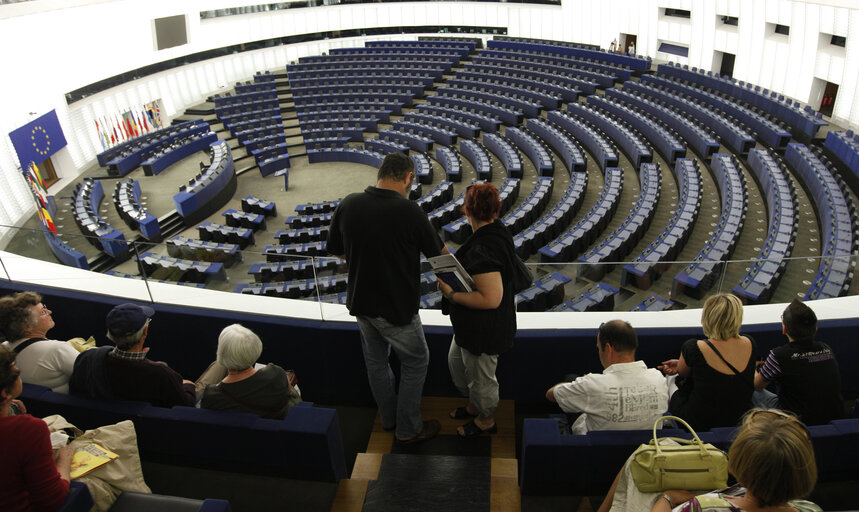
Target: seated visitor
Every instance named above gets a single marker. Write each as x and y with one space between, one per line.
123 372
267 391
715 375
25 322
805 371
31 478
626 396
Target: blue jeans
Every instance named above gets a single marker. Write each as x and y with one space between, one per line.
378 337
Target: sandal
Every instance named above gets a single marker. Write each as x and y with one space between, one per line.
431 429
472 430
460 413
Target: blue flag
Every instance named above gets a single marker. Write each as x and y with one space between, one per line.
38 139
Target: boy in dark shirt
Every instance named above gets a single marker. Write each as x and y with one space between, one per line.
805 371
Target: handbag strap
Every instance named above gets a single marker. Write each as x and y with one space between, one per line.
737 372
247 404
695 439
21 346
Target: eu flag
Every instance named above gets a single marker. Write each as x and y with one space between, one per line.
38 140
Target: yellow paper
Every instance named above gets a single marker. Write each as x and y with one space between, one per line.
89 458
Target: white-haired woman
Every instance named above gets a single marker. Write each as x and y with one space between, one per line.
267 390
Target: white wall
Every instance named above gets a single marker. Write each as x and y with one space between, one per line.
63 48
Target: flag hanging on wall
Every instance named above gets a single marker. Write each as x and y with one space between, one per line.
37 140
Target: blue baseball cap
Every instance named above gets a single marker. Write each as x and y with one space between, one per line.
127 318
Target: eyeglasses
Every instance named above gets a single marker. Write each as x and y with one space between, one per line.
45 311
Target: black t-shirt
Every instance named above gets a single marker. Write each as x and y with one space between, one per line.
382 234
265 393
809 380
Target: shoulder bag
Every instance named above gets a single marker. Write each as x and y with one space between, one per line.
690 465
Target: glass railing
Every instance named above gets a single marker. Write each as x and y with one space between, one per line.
185 273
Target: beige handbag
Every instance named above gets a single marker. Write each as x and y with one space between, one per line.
690 465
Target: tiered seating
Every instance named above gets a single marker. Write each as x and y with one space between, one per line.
570 49
506 153
511 101
635 148
379 115
770 132
168 267
423 168
211 188
63 252
301 235
86 199
126 199
538 88
534 148
447 212
595 141
561 142
385 147
354 155
845 145
555 220
284 252
312 208
462 128
599 297
652 262
253 204
801 120
838 232
296 268
412 140
520 91
479 158
440 135
546 292
760 281
459 99
210 232
159 157
441 194
574 241
431 45
701 275
308 220
653 303
200 250
577 74
528 210
296 289
696 136
663 139
451 163
235 218
459 230
730 131
626 236
123 158
405 52
484 122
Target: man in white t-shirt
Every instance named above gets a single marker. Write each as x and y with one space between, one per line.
25 322
626 396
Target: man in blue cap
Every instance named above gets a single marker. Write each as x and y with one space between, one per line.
123 372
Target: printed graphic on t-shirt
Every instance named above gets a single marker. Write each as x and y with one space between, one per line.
813 357
632 403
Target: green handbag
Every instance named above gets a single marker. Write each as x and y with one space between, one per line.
691 466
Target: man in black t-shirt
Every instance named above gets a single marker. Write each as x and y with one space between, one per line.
381 234
805 371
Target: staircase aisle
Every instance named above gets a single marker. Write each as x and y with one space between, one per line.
445 473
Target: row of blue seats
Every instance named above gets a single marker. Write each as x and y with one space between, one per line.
440 135
599 297
695 136
211 232
552 223
243 125
354 79
545 84
604 75
553 463
700 276
597 143
631 61
575 240
508 102
86 199
438 196
355 155
625 237
758 284
453 53
253 204
126 200
522 91
384 147
297 289
529 210
264 141
296 268
484 122
731 133
352 132
135 152
302 94
447 212
651 263
460 229
457 99
451 162
366 122
135 144
769 132
838 232
664 140
845 145
306 444
423 168
233 113
221 100
240 107
545 293
201 250
309 220
285 252
379 115
262 153
412 140
64 253
349 96
255 86
475 153
209 185
535 149
177 269
653 303
239 219
235 122
461 128
354 73
580 81
803 120
364 103
349 64
270 132
505 152
179 149
322 207
635 148
469 45
564 145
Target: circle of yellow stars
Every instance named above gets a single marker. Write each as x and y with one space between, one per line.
45 138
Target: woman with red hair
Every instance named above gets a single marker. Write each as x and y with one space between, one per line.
484 320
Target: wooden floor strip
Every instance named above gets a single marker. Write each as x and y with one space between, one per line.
350 495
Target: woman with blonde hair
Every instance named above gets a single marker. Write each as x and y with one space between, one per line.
716 375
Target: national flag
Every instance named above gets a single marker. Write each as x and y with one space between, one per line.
34 171
100 136
122 130
143 118
47 220
37 193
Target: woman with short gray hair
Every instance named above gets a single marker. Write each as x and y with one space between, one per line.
267 390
